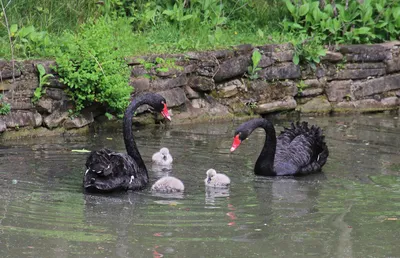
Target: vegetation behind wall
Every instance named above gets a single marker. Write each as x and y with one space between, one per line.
89 39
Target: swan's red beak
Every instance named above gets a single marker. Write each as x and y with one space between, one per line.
165 113
236 142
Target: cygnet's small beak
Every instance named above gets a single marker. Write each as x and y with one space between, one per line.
208 179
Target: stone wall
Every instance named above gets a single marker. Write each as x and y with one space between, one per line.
353 78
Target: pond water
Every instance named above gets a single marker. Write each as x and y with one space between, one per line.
352 209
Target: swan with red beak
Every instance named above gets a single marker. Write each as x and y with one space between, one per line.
298 150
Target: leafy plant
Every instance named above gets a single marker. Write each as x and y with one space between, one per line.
109 116
301 86
253 105
308 51
253 69
366 21
161 64
177 12
5 108
91 64
43 80
28 42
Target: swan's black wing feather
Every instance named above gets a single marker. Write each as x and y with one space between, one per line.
300 150
109 171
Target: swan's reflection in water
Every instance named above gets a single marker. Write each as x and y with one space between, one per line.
175 195
159 171
212 193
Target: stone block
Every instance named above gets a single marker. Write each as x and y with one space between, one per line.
140 84
268 91
332 57
265 61
54 82
174 97
354 74
198 103
79 121
311 92
207 55
21 118
232 68
3 126
56 94
55 119
281 72
318 105
366 53
287 103
337 90
276 47
393 65
283 56
315 83
362 89
6 70
21 103
138 71
190 93
201 83
228 91
47 105
170 83
367 105
6 85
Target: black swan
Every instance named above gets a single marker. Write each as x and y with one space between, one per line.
108 170
298 150
168 184
215 179
162 157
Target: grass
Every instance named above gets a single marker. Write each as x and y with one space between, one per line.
49 15
244 22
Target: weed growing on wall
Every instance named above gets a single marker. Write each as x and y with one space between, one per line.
91 64
252 70
5 108
43 80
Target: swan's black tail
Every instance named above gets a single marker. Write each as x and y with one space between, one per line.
316 146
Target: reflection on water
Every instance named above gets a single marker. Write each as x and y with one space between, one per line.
349 210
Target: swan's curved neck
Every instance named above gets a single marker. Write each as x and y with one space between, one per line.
130 143
265 162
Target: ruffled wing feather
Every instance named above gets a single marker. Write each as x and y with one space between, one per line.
300 149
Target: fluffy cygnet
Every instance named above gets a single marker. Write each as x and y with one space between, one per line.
215 179
168 184
163 157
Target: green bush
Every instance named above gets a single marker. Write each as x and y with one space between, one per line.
91 63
